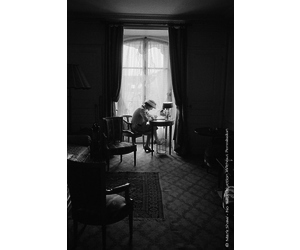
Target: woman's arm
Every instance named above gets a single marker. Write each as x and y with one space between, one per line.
145 115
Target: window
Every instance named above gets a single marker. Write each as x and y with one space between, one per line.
145 74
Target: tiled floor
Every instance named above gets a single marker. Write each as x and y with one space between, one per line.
194 217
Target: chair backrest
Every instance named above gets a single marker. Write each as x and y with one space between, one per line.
127 122
113 128
86 183
128 118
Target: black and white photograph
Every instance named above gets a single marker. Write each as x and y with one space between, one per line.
150 105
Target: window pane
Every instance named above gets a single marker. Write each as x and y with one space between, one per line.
157 86
132 91
158 55
133 54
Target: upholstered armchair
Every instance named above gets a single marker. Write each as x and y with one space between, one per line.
91 203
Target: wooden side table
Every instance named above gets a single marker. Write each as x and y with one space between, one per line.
162 123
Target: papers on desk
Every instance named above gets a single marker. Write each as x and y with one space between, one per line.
159 118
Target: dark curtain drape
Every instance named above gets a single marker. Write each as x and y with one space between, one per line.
113 67
177 44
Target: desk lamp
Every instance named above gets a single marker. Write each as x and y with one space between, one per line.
166 109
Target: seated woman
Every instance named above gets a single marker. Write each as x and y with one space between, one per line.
140 122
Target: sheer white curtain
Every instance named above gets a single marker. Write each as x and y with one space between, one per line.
132 89
158 81
146 75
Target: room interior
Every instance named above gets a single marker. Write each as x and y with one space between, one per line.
210 36
209 100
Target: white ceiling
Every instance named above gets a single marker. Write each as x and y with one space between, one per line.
153 9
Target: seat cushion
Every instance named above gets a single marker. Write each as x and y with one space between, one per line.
114 204
117 145
116 209
121 147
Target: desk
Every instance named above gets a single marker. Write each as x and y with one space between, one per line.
162 123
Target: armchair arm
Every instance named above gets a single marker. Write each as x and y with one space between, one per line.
127 129
119 189
127 125
127 133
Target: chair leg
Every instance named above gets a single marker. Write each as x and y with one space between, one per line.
104 236
121 158
130 227
134 157
75 227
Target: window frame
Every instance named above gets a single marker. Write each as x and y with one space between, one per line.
145 64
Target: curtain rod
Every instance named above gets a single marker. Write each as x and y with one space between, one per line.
144 20
146 26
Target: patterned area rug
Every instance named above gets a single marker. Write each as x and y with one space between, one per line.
144 190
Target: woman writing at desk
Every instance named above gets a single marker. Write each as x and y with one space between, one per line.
140 123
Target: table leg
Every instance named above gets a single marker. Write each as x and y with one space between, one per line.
152 140
165 141
170 140
166 132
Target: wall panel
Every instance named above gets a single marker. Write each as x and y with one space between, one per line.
205 92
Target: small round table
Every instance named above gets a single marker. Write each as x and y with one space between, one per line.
162 123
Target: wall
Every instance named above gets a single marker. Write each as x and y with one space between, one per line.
228 120
86 48
207 65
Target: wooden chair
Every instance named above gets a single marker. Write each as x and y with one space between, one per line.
127 130
92 203
113 137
